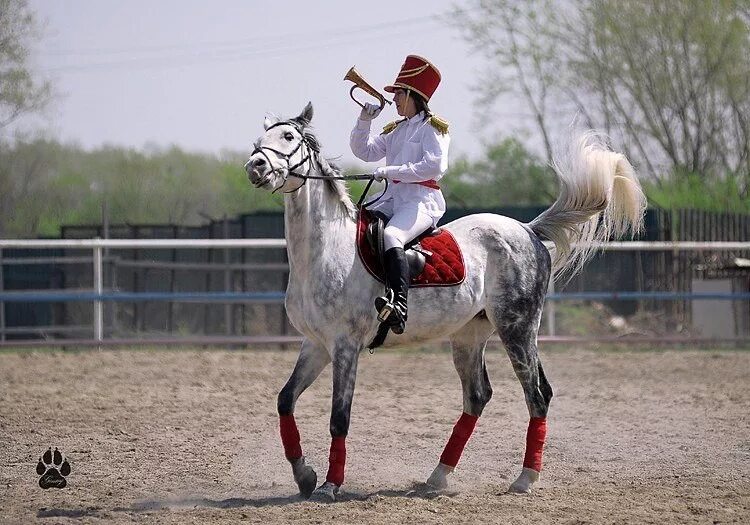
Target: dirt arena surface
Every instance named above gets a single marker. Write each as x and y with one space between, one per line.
191 437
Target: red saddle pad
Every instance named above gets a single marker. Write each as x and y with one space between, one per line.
445 267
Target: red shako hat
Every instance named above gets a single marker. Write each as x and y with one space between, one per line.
417 74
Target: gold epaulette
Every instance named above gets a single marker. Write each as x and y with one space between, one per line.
391 126
439 124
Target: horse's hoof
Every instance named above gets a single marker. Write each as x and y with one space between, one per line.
305 477
439 478
306 481
524 482
326 493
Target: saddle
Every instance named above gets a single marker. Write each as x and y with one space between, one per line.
434 257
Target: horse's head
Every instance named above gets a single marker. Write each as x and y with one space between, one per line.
284 150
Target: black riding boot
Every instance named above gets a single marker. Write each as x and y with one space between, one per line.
392 307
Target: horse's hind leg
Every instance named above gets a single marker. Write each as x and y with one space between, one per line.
514 306
468 357
310 363
518 332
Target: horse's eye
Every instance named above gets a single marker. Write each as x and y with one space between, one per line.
288 136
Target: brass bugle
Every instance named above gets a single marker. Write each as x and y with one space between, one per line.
362 84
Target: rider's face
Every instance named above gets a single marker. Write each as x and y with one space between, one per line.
404 103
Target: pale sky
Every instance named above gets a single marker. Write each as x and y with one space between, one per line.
202 75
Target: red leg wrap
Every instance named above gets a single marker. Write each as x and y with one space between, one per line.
337 460
290 437
462 431
535 436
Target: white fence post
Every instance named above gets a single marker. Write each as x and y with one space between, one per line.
98 289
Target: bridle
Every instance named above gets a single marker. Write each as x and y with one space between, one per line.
306 156
311 154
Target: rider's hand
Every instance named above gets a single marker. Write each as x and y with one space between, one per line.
380 174
369 112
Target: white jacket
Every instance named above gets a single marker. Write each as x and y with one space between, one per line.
414 151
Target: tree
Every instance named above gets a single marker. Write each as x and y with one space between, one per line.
670 81
507 175
20 92
45 184
508 33
24 174
675 76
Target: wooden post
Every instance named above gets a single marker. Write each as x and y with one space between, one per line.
677 221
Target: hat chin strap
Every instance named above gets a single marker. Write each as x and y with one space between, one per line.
406 103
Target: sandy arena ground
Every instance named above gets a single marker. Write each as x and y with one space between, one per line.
191 437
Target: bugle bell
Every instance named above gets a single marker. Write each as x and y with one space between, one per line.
362 84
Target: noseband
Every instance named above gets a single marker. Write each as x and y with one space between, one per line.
287 156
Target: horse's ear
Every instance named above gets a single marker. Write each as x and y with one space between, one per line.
306 116
267 123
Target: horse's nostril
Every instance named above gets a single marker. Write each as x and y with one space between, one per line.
257 163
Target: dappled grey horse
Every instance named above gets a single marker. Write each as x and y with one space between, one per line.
330 294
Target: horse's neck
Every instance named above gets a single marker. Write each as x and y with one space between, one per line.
315 223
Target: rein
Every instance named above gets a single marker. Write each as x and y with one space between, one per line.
311 154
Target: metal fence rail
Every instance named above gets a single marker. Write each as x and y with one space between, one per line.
278 297
98 296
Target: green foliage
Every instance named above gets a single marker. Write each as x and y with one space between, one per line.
693 191
47 184
507 174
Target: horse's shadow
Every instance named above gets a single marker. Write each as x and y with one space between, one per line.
416 490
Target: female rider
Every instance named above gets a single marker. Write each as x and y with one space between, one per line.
416 154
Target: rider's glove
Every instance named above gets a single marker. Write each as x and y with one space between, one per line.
381 173
369 112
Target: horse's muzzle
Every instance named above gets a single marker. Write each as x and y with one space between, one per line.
258 171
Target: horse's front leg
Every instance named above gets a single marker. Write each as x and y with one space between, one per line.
345 358
312 360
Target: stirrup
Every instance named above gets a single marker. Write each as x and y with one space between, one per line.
385 305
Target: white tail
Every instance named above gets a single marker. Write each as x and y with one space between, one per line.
600 198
